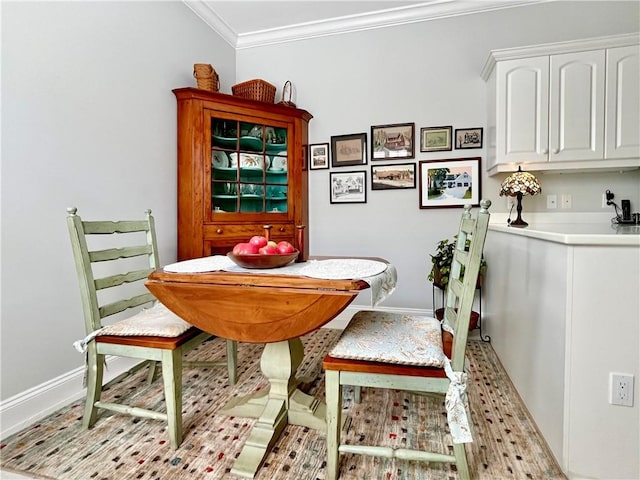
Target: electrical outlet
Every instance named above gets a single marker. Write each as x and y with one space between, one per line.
566 201
621 389
552 201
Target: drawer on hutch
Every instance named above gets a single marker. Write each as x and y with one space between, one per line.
245 231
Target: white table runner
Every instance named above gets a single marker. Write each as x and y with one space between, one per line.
380 276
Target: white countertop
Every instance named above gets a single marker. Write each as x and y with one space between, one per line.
600 233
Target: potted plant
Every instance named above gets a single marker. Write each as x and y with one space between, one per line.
441 263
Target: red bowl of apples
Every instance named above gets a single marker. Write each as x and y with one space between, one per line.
262 253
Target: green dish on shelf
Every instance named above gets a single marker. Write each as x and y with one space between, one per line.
251 143
276 147
225 142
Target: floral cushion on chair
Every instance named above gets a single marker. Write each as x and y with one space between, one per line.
392 338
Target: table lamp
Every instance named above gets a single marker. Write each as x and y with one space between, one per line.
517 185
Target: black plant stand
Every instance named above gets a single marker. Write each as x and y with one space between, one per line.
484 338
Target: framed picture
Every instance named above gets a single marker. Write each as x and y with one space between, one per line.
449 183
319 156
468 138
390 177
347 150
392 141
435 139
348 187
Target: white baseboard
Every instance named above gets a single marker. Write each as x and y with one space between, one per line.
26 408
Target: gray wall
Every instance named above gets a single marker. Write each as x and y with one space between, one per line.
88 119
427 73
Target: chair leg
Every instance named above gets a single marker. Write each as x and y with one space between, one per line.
357 394
152 371
334 420
232 361
172 377
461 461
95 369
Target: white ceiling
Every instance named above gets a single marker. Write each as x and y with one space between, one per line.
245 24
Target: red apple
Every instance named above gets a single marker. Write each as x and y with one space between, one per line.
268 249
258 240
245 248
284 247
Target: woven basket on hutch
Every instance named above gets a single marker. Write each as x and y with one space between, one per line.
206 77
256 89
288 102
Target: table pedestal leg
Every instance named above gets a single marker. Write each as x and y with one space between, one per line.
283 403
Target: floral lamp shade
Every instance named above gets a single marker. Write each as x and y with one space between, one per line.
517 185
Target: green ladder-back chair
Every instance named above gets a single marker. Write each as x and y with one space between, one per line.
126 254
420 354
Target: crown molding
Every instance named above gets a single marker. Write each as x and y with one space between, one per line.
432 10
213 20
571 46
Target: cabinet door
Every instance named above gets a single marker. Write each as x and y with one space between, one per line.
522 100
576 111
249 169
622 135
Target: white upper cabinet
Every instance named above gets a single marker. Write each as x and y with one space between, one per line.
623 102
564 106
522 97
576 106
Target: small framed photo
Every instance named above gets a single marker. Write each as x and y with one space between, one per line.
348 150
468 138
449 183
435 139
390 142
319 156
390 177
348 187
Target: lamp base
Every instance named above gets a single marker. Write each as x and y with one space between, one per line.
518 222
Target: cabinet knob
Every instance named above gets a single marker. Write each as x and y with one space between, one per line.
545 151
281 229
556 151
219 231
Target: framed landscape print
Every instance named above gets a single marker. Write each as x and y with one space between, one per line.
390 177
319 156
468 138
389 142
348 187
435 139
348 150
449 183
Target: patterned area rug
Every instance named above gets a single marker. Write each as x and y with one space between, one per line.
506 443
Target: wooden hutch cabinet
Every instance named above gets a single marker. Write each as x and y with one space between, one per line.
242 164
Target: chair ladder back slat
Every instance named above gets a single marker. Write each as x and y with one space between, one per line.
124 226
122 305
122 252
121 278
